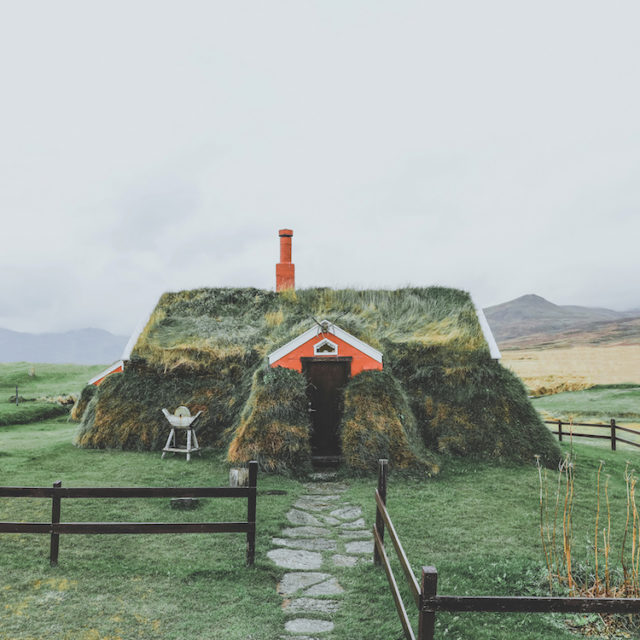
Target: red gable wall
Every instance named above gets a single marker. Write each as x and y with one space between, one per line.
360 362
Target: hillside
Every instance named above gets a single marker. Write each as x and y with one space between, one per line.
440 390
612 333
531 315
82 346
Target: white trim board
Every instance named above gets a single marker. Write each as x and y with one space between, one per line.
107 371
126 354
316 330
488 334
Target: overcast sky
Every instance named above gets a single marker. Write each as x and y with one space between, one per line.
154 146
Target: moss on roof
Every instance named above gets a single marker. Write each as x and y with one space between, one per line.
204 347
195 329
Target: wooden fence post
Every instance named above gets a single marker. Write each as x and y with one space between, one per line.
55 519
613 434
382 490
559 430
251 512
428 590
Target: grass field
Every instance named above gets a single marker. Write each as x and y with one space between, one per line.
599 404
595 405
476 522
552 370
37 381
47 379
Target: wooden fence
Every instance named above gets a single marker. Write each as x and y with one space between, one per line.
57 492
428 602
612 431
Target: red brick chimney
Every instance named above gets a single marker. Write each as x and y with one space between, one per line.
285 269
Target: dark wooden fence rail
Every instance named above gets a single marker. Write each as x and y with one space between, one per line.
428 602
58 492
612 429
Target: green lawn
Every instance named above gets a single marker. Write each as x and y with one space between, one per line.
107 587
26 412
596 405
49 379
599 403
477 523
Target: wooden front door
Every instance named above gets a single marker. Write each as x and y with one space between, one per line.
326 382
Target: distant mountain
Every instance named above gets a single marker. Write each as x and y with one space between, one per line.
617 332
84 346
533 315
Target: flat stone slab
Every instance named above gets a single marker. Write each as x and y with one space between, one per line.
303 504
308 625
310 605
325 497
356 534
356 524
325 487
317 544
323 476
327 588
295 559
347 513
330 520
293 582
294 516
360 546
340 560
304 532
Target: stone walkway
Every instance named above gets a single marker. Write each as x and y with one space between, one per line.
325 534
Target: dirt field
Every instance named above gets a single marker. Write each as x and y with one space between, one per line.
570 369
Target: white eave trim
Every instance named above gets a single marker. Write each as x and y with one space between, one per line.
106 372
315 331
488 334
126 354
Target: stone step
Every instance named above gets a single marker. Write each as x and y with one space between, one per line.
295 559
310 605
308 625
308 544
293 582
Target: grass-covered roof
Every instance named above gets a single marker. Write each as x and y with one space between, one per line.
204 348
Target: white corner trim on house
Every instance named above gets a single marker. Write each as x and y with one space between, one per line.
486 331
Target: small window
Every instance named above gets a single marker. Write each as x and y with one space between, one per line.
325 348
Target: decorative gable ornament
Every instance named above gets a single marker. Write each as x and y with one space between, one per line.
327 341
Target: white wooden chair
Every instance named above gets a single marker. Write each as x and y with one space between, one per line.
183 421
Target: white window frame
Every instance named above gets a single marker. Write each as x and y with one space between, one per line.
317 346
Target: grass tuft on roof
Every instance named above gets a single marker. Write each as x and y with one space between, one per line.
274 428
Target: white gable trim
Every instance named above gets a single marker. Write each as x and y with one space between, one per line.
488 334
106 372
313 332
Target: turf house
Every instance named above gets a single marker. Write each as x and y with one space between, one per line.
290 377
